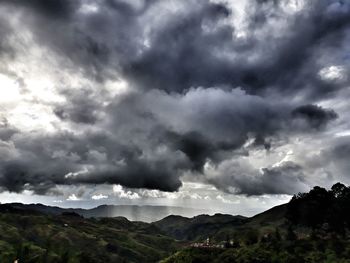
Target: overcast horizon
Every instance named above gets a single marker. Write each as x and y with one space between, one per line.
228 106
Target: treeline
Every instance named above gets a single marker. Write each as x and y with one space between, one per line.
321 208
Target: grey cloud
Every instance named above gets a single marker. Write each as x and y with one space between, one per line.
6 130
79 115
335 159
82 107
288 178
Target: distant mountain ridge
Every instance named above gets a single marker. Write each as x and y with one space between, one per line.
190 228
220 225
170 220
198 227
145 213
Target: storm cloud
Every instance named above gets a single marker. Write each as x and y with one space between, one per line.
315 116
148 94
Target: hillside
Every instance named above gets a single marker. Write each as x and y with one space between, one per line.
312 227
219 226
32 236
198 227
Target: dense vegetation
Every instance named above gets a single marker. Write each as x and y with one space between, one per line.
312 227
199 227
300 251
322 208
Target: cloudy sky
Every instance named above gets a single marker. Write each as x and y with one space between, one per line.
228 105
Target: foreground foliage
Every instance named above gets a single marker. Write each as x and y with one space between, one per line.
279 252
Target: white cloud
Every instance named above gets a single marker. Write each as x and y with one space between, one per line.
73 197
99 197
89 8
119 191
9 89
81 172
227 201
332 73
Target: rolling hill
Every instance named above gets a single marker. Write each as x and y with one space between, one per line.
198 227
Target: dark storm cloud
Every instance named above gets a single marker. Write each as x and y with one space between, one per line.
196 147
199 91
44 161
52 8
314 115
136 173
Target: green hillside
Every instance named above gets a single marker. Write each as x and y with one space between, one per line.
199 227
219 226
312 227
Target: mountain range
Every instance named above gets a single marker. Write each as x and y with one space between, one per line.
312 227
145 213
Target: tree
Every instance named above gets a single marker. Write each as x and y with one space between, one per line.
251 237
339 190
291 236
310 209
277 234
227 242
